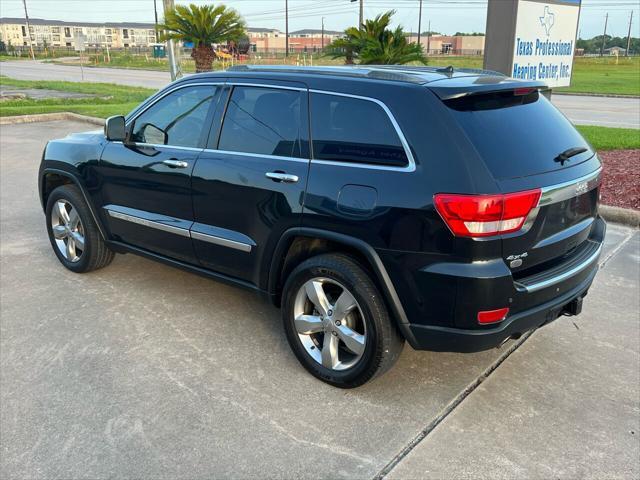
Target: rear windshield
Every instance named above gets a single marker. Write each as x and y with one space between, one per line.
518 133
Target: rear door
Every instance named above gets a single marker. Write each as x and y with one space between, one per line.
248 185
527 144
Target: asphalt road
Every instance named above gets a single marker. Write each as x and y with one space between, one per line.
144 371
582 110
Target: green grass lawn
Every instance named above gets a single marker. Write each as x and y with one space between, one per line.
111 100
604 138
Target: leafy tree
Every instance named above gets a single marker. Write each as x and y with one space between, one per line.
376 44
465 34
203 25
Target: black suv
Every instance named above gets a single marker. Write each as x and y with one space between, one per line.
453 209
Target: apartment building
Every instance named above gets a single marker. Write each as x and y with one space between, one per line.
272 39
57 33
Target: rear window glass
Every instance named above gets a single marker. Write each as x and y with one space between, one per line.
262 120
518 135
346 129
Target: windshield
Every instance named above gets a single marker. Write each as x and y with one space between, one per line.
518 133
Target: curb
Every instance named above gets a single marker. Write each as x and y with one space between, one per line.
624 216
49 117
604 95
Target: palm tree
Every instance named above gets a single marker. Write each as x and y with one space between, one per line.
376 44
203 25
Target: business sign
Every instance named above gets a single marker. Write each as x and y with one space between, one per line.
80 42
532 39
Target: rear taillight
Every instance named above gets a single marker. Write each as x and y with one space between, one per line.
485 215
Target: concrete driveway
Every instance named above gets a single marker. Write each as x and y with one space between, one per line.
140 370
581 110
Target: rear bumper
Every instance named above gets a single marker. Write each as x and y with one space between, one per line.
445 339
481 286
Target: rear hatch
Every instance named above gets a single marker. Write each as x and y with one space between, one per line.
527 144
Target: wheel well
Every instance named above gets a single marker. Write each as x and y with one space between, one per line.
302 248
51 182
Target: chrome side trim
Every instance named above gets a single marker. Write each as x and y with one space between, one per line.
411 165
221 241
157 145
560 278
256 155
183 232
148 223
573 188
264 85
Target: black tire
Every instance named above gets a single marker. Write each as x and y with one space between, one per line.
383 342
95 254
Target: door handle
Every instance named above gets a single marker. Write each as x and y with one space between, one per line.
282 177
173 163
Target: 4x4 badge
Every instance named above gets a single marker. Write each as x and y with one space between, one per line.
516 260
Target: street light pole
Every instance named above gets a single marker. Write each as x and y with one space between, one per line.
173 66
361 13
420 22
286 21
26 17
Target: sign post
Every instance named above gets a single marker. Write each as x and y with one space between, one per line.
532 39
80 42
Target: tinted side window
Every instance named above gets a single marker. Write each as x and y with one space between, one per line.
178 119
349 129
262 120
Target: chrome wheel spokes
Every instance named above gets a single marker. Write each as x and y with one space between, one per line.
68 231
329 323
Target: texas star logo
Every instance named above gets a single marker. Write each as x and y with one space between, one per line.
547 20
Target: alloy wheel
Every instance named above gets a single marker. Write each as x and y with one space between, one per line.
330 323
67 230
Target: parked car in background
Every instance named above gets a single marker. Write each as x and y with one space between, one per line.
450 209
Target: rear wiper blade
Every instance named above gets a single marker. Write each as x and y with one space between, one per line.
568 153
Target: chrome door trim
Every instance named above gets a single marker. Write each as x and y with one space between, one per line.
563 276
157 145
573 188
183 232
245 247
411 163
257 155
113 211
264 85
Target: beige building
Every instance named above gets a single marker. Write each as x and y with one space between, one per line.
57 33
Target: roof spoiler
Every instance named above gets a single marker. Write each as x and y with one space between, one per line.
464 86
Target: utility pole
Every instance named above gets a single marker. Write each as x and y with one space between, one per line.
286 20
26 17
155 13
604 35
420 22
322 33
626 54
173 65
429 37
361 13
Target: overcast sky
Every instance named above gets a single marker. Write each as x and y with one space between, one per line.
447 16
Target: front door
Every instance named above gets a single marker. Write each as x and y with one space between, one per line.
248 185
146 180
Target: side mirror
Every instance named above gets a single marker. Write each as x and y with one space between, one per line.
114 128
